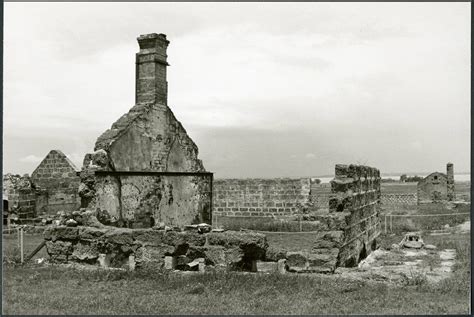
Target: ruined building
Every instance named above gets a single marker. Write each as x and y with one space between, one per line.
437 186
52 187
145 168
58 181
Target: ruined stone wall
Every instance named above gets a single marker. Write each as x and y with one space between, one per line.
260 197
174 200
59 183
148 139
21 195
149 247
357 193
320 195
432 188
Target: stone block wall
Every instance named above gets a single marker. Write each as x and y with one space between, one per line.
260 197
57 178
356 191
21 195
320 195
147 248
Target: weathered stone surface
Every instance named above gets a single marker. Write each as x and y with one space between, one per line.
297 261
119 236
85 251
274 254
329 240
253 245
59 251
62 233
91 233
215 255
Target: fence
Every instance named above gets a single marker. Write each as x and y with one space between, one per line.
21 244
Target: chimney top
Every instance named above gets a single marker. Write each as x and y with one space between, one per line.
152 41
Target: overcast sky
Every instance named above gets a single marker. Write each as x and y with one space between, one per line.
264 89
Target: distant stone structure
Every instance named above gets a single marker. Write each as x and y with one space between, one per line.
19 194
145 169
57 181
437 187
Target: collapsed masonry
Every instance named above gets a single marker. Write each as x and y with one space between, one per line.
145 169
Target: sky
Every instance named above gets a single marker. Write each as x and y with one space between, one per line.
264 89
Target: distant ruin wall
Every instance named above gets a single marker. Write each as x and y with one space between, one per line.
59 183
260 197
320 195
356 192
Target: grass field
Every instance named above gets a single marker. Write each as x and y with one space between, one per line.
54 290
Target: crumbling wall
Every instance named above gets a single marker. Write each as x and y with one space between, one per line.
320 195
357 195
146 141
21 195
57 177
149 247
143 200
276 197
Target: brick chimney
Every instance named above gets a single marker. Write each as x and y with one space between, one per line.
151 84
450 181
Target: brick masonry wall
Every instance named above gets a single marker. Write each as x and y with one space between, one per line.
21 195
356 191
57 179
320 195
260 197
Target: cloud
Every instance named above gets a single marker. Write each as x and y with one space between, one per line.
31 159
310 155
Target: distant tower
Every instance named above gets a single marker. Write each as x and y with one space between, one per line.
151 84
450 181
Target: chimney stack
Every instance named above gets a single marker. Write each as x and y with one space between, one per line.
151 85
450 181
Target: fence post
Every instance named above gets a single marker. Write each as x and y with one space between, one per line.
391 223
18 232
21 245
385 218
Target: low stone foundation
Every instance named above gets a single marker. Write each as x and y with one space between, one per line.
121 247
